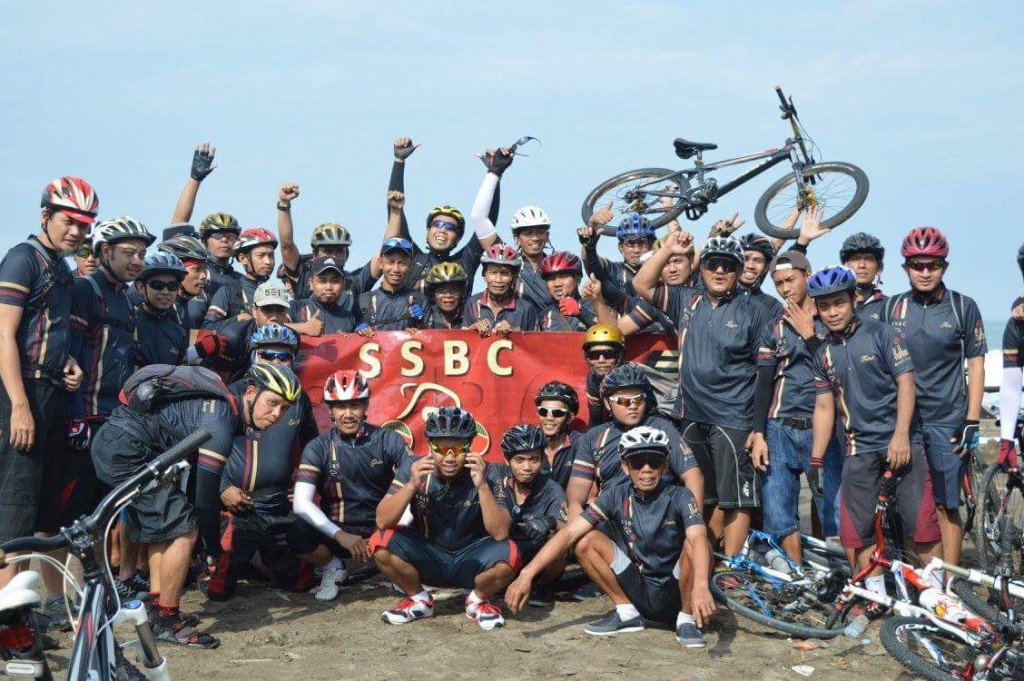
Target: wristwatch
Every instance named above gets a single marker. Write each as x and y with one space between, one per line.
284 206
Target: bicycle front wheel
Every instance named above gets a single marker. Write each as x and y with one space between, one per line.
656 193
927 650
784 607
1001 501
839 188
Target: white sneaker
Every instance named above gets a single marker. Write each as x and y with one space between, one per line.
409 610
486 614
330 583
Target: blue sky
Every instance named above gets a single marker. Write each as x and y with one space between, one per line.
925 96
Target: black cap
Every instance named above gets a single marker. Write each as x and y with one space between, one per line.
324 264
180 229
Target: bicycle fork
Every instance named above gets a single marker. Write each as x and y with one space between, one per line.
155 665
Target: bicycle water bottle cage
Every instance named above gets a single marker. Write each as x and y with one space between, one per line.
685 148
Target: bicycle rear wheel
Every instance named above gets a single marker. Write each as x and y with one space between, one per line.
639 191
1001 500
982 601
839 188
925 649
785 607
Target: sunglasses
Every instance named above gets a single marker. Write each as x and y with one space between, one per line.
158 285
450 451
652 459
223 236
933 266
276 355
544 412
628 400
595 355
395 242
727 264
84 252
444 224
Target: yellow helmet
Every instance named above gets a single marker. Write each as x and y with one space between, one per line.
330 234
603 334
446 273
218 222
450 211
276 378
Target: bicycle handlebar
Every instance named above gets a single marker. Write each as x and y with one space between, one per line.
155 470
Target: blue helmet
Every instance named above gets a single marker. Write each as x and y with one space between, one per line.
634 225
162 263
831 280
273 334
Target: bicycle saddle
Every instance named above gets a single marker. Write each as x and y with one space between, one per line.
20 591
685 148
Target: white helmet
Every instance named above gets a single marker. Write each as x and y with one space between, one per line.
643 439
530 216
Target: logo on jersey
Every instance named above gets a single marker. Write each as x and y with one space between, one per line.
691 507
900 353
868 358
376 462
669 523
945 325
563 512
731 325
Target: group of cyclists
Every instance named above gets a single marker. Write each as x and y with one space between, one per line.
105 365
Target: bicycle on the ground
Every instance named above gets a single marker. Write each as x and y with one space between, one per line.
95 653
763 584
839 188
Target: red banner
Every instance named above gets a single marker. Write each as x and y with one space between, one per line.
496 379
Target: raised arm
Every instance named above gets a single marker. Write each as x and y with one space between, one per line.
646 280
288 192
202 165
483 211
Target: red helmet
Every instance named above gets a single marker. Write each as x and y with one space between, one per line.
253 237
72 195
924 241
502 254
559 262
345 385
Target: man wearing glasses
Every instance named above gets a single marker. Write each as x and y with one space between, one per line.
628 396
351 466
461 523
603 349
256 480
445 225
557 406
719 330
943 330
636 541
85 258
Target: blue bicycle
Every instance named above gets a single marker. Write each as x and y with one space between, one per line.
763 584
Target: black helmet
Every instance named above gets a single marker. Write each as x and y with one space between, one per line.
1020 258
522 438
563 392
761 244
451 422
861 242
628 375
185 247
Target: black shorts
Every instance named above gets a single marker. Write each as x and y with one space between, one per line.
155 517
241 537
455 568
24 501
657 599
304 538
858 495
730 480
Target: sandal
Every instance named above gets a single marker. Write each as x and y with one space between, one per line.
177 631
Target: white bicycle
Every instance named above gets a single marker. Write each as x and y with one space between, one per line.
95 653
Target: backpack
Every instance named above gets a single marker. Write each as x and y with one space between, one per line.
158 384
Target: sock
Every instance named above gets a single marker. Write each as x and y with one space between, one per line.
473 598
169 611
335 564
627 612
876 584
422 597
684 618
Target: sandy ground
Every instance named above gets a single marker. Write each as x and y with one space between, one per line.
269 634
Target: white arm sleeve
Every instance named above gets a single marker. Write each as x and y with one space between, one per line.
304 507
482 207
1009 402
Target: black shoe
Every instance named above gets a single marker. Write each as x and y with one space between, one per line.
613 624
54 609
690 636
140 583
542 596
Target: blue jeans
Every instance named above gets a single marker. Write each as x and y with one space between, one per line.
789 457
